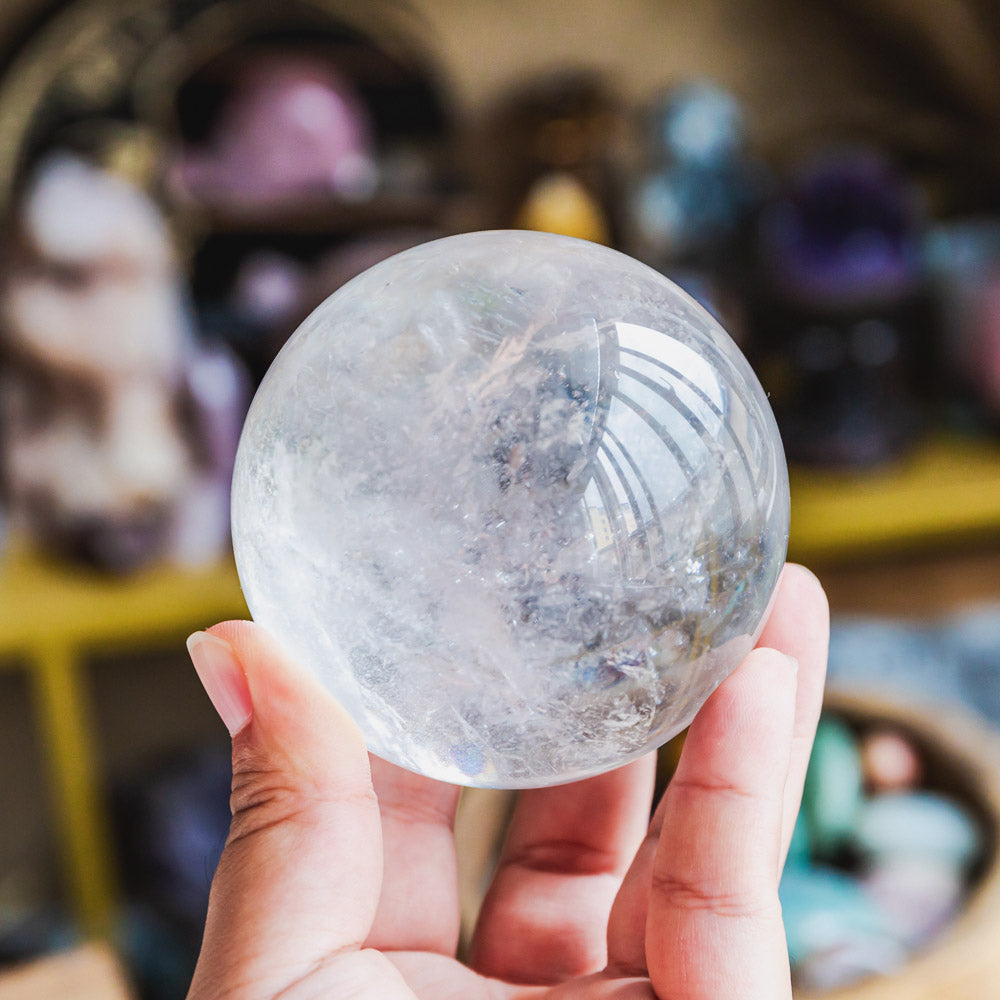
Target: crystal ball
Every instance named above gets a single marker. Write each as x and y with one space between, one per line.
518 501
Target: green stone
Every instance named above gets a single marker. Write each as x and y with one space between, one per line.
832 795
824 909
800 846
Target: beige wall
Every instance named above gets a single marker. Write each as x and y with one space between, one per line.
899 68
642 46
918 75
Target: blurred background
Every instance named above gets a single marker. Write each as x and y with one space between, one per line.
182 181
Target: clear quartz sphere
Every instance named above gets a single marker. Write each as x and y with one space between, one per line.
518 500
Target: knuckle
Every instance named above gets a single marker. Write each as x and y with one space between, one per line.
563 857
694 893
417 811
265 795
262 799
707 786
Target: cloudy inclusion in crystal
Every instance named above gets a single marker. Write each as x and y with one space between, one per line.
518 501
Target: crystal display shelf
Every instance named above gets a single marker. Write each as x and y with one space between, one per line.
52 618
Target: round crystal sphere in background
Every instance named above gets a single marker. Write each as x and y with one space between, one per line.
519 502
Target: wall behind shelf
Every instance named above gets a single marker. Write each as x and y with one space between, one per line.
905 74
27 847
147 708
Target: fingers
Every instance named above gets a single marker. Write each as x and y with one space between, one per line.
714 925
545 916
800 626
300 875
419 909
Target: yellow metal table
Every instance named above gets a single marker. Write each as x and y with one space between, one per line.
52 618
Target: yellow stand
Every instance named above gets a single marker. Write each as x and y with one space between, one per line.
945 490
52 617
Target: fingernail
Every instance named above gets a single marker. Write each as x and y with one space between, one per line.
223 679
793 662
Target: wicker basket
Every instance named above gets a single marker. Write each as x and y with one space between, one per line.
962 758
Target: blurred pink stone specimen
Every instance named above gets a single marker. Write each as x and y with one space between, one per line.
891 763
293 128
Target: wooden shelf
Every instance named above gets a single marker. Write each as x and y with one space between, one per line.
90 972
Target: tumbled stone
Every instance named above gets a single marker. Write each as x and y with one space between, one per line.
890 762
849 961
833 790
826 909
917 825
921 895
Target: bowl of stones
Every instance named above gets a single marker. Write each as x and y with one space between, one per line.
892 886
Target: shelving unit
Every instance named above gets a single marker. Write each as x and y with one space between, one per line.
54 617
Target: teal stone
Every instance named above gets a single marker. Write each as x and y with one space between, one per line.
833 793
918 824
825 910
800 846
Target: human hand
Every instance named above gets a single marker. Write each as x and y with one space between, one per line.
339 881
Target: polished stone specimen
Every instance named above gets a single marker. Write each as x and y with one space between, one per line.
833 792
518 501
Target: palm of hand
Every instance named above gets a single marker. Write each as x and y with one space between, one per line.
543 929
586 904
339 885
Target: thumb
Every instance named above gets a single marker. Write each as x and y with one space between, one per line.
299 879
